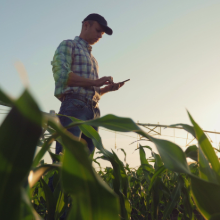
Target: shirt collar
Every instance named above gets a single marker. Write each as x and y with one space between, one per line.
83 43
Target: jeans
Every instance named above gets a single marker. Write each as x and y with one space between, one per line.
81 110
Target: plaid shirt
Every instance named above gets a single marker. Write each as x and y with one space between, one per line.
75 56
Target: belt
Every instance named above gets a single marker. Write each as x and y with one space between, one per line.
81 98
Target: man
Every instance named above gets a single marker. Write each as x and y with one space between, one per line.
77 83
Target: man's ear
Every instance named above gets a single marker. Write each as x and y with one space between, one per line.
85 24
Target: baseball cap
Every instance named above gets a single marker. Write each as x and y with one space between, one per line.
101 20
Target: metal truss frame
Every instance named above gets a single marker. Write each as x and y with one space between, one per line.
152 130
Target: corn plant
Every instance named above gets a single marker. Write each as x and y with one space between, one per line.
20 134
168 188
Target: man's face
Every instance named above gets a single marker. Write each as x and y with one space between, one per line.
94 33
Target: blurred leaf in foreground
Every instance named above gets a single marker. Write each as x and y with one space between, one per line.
19 136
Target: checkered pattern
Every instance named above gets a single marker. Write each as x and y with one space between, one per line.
74 56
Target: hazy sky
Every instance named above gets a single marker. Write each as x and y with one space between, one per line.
169 49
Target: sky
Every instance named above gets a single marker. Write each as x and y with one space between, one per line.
170 51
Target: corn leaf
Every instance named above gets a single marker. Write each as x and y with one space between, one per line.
205 171
50 201
206 196
192 152
206 146
120 180
37 173
17 152
28 212
186 127
94 198
215 217
174 198
45 147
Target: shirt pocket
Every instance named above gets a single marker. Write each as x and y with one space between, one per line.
82 63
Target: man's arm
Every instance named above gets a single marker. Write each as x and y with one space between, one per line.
75 80
62 63
63 75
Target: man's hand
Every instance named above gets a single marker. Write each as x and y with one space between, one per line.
75 80
111 87
114 86
104 81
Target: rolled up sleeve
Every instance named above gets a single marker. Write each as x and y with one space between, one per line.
61 66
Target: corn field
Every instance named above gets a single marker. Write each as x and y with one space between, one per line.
72 189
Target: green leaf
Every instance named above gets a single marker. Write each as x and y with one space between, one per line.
5 99
18 140
124 178
95 199
187 202
95 161
144 147
123 152
51 205
174 198
45 147
155 198
205 171
60 205
142 156
28 208
121 182
61 199
171 154
91 133
206 146
37 173
158 161
161 170
112 122
54 157
215 217
186 127
28 107
120 179
192 152
206 196
92 155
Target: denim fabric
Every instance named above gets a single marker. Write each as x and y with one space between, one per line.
81 110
